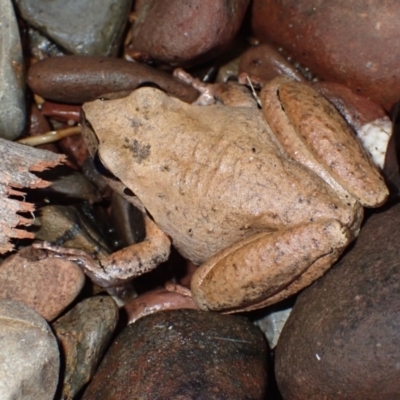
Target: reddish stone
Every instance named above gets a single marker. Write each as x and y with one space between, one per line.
354 43
184 354
185 32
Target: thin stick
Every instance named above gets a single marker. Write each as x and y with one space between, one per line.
50 137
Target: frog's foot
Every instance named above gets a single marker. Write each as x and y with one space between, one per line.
123 265
268 267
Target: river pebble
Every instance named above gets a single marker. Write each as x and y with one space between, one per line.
80 27
342 339
29 355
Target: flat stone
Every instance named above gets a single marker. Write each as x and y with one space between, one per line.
81 27
354 43
185 32
83 333
12 86
342 339
29 354
184 354
48 285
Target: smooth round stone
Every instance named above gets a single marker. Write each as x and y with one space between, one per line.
184 354
48 285
12 86
354 43
83 333
342 339
186 32
29 354
81 27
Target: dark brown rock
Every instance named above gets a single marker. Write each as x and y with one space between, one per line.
77 79
48 285
185 32
354 43
183 354
342 339
83 333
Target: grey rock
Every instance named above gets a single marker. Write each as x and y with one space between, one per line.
12 87
83 27
29 355
84 332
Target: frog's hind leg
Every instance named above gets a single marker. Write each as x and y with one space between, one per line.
268 267
123 265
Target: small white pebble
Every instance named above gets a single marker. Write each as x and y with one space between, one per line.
317 357
374 137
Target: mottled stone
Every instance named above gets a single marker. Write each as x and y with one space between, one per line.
48 285
342 339
350 42
183 354
80 27
29 354
83 333
185 32
12 87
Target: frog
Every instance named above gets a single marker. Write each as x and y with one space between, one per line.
263 200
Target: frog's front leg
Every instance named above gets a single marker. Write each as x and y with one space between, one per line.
123 265
267 267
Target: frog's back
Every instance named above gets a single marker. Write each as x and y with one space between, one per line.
210 175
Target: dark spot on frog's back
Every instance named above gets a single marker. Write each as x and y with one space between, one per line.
140 151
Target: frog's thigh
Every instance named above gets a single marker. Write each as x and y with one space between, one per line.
263 265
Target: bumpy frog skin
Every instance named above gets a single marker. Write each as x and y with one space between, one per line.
263 208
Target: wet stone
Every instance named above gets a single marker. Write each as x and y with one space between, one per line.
342 339
184 354
185 32
78 79
48 285
83 333
353 43
12 87
29 355
80 27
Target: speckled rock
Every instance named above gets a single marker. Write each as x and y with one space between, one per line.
342 339
48 285
183 354
185 32
12 86
81 27
83 333
29 354
354 43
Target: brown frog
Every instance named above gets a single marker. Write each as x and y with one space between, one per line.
264 208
